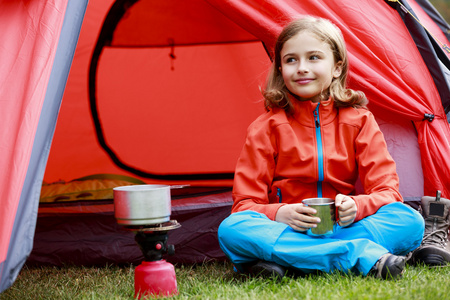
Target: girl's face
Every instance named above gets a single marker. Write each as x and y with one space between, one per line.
308 66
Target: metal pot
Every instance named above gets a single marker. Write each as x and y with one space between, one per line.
146 204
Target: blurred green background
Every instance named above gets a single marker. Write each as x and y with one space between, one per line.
443 6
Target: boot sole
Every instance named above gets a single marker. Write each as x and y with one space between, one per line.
432 256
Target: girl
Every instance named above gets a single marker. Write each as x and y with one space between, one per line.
314 139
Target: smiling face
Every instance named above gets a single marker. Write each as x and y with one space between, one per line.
308 66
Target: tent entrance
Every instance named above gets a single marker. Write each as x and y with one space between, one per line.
154 54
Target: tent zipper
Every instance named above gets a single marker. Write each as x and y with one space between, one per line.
319 151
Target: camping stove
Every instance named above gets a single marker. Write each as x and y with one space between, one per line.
145 210
154 275
152 239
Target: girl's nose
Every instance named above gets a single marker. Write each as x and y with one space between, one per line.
302 68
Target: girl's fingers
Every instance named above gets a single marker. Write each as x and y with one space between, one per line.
338 200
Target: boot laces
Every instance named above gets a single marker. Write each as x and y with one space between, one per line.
435 237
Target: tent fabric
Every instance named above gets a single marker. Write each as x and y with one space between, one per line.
139 82
439 35
193 15
435 18
433 23
41 39
438 64
433 55
379 48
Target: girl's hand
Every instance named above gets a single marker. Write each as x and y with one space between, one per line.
347 209
297 216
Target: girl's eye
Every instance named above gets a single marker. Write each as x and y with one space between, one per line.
290 59
314 57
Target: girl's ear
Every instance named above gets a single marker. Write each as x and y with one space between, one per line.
337 69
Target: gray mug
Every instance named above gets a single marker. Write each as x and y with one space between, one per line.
326 211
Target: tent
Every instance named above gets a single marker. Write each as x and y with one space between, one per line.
163 91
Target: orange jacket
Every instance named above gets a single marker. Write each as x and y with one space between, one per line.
281 162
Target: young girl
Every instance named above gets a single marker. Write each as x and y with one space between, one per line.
314 140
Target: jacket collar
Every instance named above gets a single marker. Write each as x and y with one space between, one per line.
304 112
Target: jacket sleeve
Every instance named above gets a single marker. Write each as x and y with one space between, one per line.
254 172
377 170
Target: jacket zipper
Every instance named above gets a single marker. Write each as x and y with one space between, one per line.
319 151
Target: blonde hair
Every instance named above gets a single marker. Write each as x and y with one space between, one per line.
276 93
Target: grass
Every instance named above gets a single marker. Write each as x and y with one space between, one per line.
217 280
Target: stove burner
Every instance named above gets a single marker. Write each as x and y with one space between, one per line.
170 225
152 239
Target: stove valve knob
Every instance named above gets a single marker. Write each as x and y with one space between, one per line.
159 246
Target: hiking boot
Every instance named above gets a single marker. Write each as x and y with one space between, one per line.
433 250
268 269
389 266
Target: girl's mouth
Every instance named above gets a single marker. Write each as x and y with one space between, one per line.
303 80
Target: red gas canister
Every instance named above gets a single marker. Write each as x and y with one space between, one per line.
155 278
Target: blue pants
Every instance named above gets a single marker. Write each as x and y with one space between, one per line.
249 236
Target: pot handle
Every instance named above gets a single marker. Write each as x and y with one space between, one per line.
180 186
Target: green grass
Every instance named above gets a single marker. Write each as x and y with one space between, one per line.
218 281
